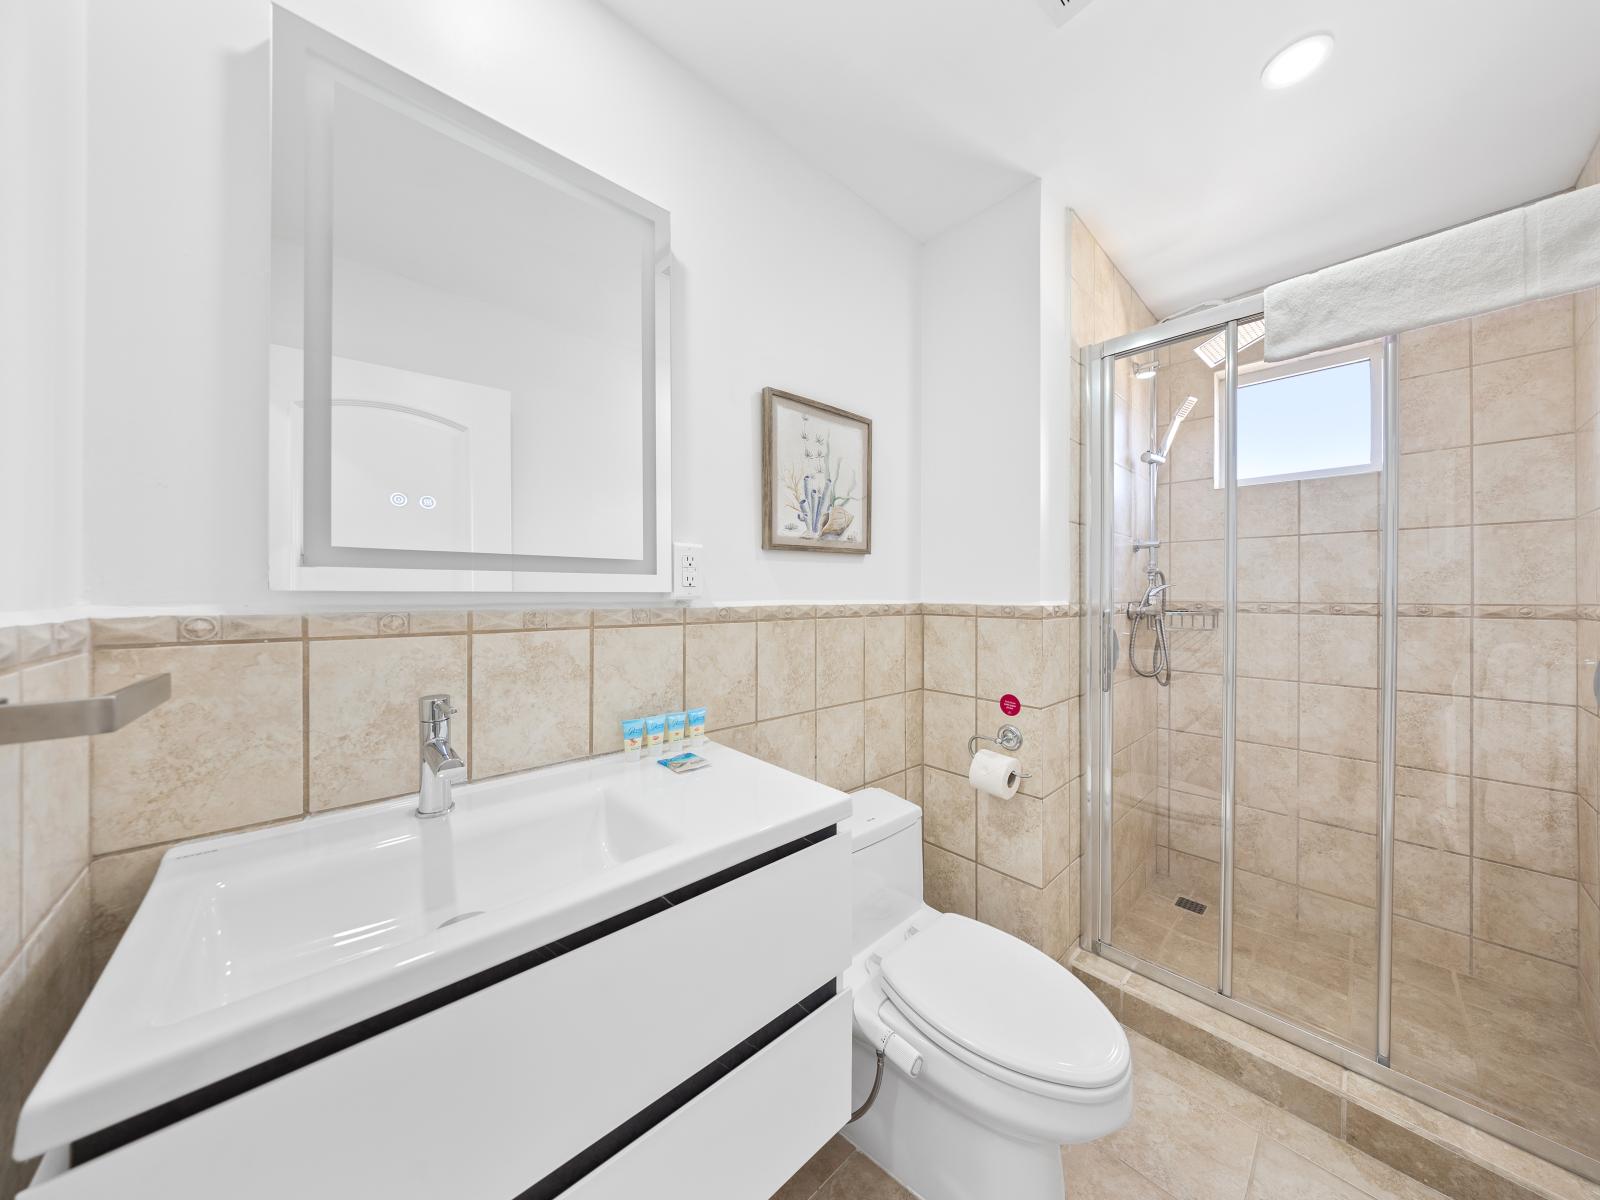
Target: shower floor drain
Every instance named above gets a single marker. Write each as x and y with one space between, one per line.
1189 905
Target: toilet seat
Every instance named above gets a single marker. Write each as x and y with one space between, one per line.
1005 1009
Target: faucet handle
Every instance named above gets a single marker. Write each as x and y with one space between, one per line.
435 708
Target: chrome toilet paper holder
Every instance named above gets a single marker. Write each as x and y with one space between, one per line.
1008 738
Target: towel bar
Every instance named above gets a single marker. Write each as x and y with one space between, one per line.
77 718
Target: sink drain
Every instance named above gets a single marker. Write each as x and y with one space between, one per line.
459 917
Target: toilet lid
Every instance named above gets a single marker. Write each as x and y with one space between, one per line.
1003 1001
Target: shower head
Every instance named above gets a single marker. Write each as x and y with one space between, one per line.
1160 456
1146 370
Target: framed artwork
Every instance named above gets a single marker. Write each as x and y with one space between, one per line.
816 476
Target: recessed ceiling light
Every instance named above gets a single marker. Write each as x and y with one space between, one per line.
1297 61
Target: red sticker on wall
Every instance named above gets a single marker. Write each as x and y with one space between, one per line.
1010 705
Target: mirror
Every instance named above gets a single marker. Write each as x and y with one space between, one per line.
467 364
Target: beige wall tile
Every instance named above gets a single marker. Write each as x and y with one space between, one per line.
1267 713
530 699
914 729
1011 836
1337 567
1524 397
363 697
949 812
789 742
57 973
1436 348
947 724
1530 744
1061 659
1268 510
1433 733
1197 511
1011 905
1526 827
885 648
1433 809
11 930
1339 649
1531 974
637 672
1436 411
1436 488
1433 887
1526 910
1339 791
719 672
1529 480
949 881
841 746
1269 645
1436 566
1524 660
225 751
949 651
1011 659
1339 862
1267 777
1196 570
117 884
55 794
885 732
1271 569
1435 655
1339 720
1339 504
786 667
1265 843
914 651
841 649
1531 328
1524 564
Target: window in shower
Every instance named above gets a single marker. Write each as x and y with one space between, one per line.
1311 418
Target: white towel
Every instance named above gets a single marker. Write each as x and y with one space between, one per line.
1545 249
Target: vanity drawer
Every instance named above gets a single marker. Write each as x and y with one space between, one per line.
493 1093
743 1137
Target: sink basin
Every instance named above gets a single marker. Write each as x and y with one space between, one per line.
250 945
270 918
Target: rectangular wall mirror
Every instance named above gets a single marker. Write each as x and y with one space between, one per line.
468 361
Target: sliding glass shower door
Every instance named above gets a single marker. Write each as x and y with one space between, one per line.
1236 598
1338 779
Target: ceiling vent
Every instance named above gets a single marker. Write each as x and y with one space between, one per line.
1062 11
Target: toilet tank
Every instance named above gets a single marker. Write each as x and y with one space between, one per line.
885 863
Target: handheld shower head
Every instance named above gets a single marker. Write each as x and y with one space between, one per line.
1177 419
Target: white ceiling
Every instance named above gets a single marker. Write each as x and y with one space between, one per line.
1199 183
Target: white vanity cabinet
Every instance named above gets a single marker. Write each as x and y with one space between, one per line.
696 1044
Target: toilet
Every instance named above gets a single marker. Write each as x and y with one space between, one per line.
996 1055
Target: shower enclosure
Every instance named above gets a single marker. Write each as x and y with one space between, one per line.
1339 703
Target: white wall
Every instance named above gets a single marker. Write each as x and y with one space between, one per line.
41 305
994 406
782 278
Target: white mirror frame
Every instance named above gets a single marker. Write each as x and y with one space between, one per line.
306 61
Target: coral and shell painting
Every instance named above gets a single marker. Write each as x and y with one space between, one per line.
816 473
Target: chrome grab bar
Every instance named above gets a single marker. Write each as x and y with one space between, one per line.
52 719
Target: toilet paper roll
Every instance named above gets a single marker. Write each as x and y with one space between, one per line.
995 774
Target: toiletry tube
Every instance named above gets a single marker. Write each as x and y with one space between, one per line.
697 726
633 738
675 726
995 774
655 731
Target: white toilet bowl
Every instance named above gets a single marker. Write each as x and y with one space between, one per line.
1017 1056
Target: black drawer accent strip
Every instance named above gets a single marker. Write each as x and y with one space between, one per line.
131 1129
636 1126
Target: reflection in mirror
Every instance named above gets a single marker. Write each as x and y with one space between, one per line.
463 347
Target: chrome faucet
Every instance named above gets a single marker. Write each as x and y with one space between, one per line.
441 767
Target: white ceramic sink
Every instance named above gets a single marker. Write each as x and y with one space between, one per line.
252 944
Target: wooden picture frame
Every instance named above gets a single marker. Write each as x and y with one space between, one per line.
816 476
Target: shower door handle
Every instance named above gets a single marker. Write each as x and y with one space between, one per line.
1113 649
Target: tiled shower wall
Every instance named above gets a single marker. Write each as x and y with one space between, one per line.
1104 305
1486 855
1586 324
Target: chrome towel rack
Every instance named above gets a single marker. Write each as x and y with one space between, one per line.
52 719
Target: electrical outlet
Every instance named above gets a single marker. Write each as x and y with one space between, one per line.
688 572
